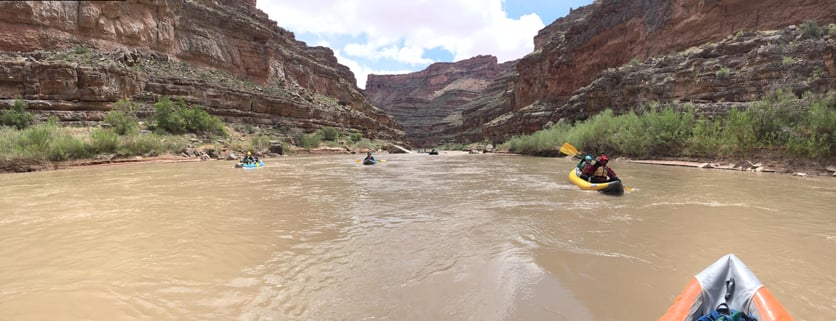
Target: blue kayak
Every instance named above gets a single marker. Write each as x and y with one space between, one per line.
369 161
250 165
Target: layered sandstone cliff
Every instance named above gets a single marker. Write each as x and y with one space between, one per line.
429 103
586 48
571 52
736 72
75 58
625 54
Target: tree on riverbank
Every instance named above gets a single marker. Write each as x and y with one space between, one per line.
780 125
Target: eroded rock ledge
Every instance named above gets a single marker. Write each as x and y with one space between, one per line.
75 58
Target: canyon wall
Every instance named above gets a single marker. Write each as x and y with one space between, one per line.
75 58
626 54
429 103
711 79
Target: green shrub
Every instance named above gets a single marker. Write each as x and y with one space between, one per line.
65 147
49 141
778 122
172 143
544 140
167 118
8 140
104 141
256 143
704 140
296 135
631 136
367 144
738 134
179 118
122 118
811 29
310 140
37 138
596 134
722 73
199 121
773 118
355 137
145 145
815 135
817 73
17 116
673 128
329 133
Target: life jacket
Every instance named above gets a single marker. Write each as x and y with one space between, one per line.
600 171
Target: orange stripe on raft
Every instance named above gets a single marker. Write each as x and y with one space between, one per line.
769 307
682 305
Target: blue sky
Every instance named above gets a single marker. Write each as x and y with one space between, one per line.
397 36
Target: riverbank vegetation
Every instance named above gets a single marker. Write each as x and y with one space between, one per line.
173 127
24 142
780 125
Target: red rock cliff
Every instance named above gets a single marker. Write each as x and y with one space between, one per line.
429 103
279 80
570 52
675 48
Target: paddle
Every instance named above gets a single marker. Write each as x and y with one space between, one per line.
379 160
568 149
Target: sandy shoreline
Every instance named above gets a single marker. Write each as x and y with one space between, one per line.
783 168
49 166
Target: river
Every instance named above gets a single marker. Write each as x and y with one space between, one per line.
416 237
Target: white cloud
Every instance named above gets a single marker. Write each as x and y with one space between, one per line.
402 31
361 72
409 55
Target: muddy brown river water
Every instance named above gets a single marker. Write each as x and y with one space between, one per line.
417 237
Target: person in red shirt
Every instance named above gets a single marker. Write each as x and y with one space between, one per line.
599 172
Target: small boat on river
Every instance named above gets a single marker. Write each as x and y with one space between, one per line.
726 289
367 161
257 164
613 187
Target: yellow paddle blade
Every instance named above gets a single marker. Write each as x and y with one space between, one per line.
568 149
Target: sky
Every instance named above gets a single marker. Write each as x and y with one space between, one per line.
402 36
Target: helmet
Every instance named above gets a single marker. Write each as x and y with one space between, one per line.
249 153
587 158
604 159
